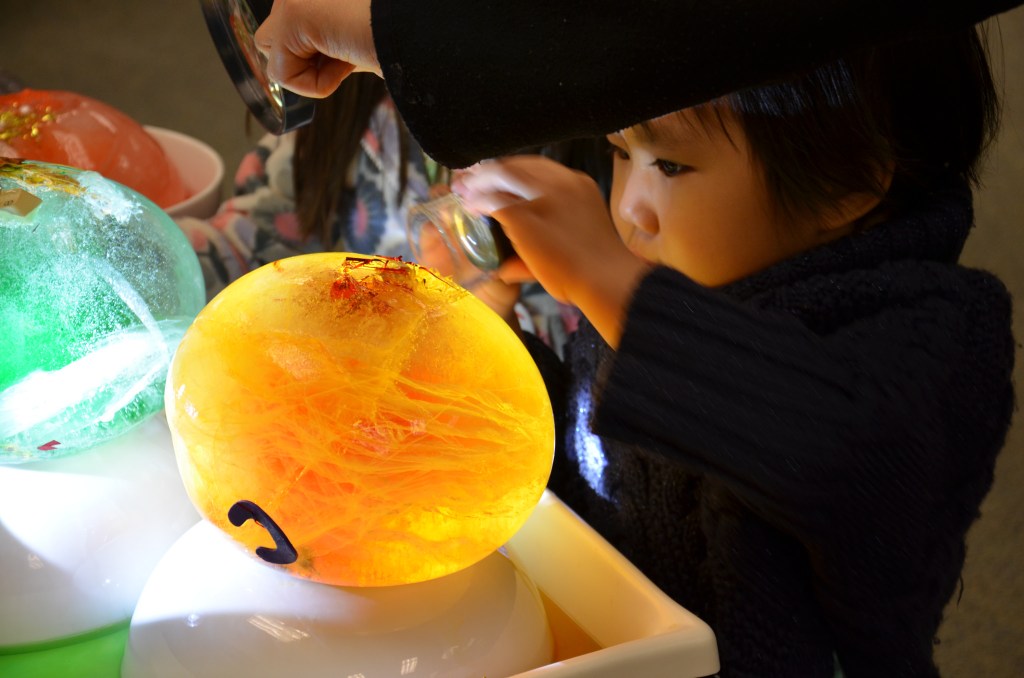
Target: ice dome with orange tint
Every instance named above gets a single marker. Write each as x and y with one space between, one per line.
358 420
71 129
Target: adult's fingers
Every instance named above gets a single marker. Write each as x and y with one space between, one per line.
316 78
300 68
312 45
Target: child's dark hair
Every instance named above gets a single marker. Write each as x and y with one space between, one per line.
925 107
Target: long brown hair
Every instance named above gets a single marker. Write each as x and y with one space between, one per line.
327 148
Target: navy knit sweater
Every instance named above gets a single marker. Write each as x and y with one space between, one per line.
796 458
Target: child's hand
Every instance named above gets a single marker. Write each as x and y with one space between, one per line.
559 224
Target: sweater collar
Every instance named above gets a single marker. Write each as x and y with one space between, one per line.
935 230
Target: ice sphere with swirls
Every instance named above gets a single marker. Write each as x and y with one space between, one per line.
97 286
377 423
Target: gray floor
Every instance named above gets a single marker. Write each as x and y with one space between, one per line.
154 60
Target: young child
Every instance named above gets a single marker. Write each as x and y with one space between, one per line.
787 398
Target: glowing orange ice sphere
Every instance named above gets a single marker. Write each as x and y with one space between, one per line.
358 420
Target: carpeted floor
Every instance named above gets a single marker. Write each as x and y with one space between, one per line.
154 60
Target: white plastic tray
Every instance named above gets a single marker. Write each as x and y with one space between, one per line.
607 618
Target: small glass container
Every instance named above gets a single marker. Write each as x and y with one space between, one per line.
444 235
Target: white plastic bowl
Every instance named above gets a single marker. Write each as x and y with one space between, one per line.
211 609
201 168
79 535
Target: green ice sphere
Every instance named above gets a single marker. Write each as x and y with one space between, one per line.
97 286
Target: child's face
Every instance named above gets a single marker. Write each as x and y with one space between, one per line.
691 197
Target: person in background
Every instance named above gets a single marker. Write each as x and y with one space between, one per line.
345 182
786 399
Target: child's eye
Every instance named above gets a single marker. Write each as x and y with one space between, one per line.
669 168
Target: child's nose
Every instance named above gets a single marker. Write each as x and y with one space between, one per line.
635 208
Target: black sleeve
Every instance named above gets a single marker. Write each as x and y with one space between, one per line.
481 79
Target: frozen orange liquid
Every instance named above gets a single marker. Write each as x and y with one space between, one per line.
391 424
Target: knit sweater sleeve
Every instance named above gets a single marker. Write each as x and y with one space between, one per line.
881 415
481 79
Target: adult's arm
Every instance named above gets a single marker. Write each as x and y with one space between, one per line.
481 79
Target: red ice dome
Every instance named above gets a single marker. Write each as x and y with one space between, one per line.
75 130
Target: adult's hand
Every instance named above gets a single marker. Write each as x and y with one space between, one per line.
559 225
312 45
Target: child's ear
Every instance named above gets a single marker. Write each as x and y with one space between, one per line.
850 209
848 212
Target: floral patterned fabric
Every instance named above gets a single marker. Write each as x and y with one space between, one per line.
259 224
